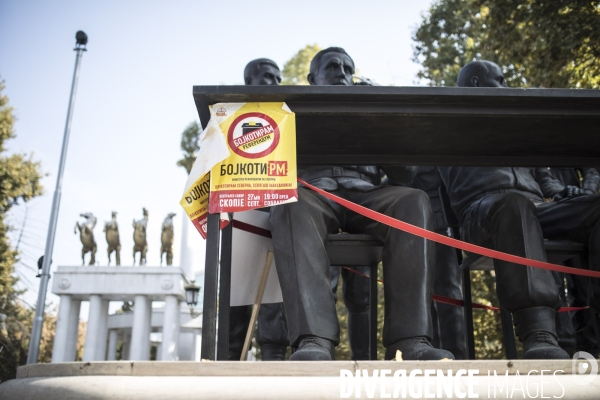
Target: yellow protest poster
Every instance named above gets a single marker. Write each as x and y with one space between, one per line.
247 160
261 168
195 203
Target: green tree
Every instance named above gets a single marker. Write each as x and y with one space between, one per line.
190 146
296 69
20 178
537 43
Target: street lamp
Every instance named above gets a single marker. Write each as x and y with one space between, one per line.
38 321
191 297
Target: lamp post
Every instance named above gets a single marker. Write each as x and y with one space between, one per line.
191 297
38 321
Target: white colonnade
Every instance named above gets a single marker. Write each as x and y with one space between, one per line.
99 286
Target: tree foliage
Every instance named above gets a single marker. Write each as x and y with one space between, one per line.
20 178
537 43
190 146
296 69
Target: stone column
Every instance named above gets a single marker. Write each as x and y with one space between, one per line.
140 332
73 334
61 335
102 332
197 343
126 344
113 336
170 331
93 335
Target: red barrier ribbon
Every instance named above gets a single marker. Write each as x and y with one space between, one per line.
251 228
448 241
460 303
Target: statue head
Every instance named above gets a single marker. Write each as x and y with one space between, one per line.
332 66
114 214
145 212
481 74
262 71
171 215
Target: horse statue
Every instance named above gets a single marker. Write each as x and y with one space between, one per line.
86 234
166 239
111 229
139 238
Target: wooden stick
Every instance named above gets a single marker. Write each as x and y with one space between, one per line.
256 306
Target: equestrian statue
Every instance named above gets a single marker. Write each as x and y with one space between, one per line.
166 239
86 234
111 229
139 238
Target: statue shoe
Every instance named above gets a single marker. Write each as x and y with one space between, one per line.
416 348
543 346
313 348
273 352
536 329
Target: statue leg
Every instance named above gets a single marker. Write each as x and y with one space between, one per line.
108 251
272 333
576 219
408 269
450 319
144 255
170 257
93 258
507 222
299 232
356 298
83 256
239 319
118 255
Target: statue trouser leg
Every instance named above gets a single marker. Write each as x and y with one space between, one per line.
507 222
408 269
579 291
272 333
356 298
299 232
576 219
564 326
450 319
239 319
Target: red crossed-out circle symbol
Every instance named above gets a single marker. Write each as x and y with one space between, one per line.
237 140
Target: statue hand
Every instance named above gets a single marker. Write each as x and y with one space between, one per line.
569 191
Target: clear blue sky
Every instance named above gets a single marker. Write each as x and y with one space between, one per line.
134 96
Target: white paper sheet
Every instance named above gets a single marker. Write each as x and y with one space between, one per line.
248 260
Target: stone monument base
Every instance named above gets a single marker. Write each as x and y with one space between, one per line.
150 380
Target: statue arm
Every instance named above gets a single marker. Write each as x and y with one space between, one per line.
399 175
591 180
548 183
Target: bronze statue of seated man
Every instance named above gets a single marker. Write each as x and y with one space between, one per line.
300 229
271 332
503 208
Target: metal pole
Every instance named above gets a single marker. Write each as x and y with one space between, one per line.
38 321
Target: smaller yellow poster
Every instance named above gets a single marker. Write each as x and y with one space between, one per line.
195 204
